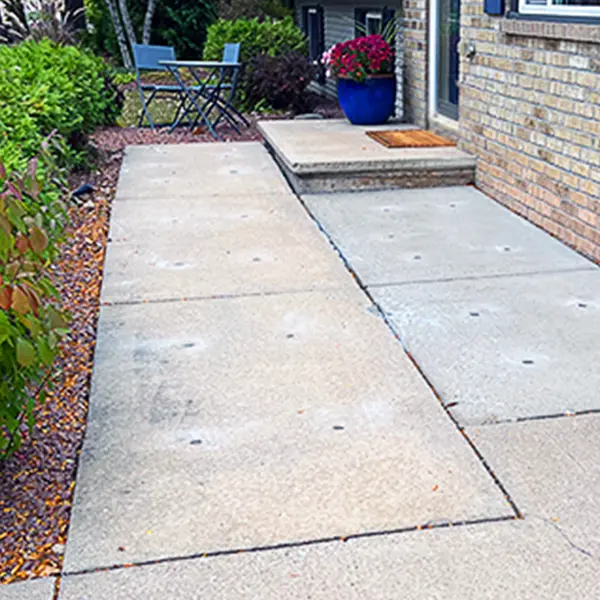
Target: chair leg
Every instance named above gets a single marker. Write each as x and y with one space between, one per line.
145 108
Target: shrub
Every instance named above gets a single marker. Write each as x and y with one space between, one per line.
269 37
280 81
248 9
31 322
46 88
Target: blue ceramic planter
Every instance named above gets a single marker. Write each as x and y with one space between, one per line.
370 102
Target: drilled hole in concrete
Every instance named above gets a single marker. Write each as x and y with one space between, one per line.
474 314
527 361
391 236
452 205
196 442
506 248
338 427
289 336
582 305
417 257
256 259
189 345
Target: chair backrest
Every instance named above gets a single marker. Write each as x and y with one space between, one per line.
146 58
231 53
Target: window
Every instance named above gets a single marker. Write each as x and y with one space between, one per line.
561 8
371 21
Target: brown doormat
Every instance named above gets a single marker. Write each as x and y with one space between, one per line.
412 138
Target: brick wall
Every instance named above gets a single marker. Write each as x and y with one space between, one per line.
530 112
415 61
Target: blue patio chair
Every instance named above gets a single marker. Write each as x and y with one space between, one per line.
147 58
231 54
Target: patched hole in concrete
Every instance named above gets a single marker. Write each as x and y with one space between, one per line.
244 216
453 206
506 248
256 259
527 361
386 210
338 427
179 264
391 236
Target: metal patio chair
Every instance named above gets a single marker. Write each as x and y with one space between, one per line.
147 58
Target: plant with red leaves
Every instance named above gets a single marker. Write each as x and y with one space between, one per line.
31 321
359 58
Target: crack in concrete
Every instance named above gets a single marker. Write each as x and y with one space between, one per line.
482 277
428 526
566 537
563 415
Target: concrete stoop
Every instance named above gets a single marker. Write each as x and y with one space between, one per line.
334 156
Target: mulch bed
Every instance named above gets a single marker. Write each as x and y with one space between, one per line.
37 483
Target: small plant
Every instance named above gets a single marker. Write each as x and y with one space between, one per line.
280 81
359 58
31 320
40 19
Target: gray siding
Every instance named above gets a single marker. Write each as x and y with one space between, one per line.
339 27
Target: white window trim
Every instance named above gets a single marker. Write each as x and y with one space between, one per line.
558 10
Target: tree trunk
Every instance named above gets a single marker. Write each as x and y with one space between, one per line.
127 23
148 21
120 34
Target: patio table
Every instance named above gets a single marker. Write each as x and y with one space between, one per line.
206 92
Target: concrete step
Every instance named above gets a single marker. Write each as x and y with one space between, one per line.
332 155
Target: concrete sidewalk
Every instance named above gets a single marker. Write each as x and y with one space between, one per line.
256 430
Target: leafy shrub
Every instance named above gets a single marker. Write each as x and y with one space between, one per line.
280 81
248 9
269 37
45 88
31 321
40 19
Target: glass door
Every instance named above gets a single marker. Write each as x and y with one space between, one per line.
447 57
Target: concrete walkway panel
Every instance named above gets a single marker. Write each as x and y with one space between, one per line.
192 247
32 589
442 233
552 469
198 170
521 560
238 423
504 348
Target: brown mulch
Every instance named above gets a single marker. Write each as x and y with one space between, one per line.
37 483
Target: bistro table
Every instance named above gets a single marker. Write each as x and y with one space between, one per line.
211 90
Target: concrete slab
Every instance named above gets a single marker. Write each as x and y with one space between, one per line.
174 171
336 145
334 156
195 247
442 233
32 589
506 347
256 421
524 560
552 469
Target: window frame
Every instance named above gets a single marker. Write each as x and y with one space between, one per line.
557 11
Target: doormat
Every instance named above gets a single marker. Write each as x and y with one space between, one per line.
413 138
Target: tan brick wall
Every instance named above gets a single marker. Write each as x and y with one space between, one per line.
530 112
415 61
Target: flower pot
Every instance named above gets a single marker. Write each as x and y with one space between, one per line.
370 102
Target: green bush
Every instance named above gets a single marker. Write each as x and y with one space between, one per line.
270 37
249 9
45 88
31 321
